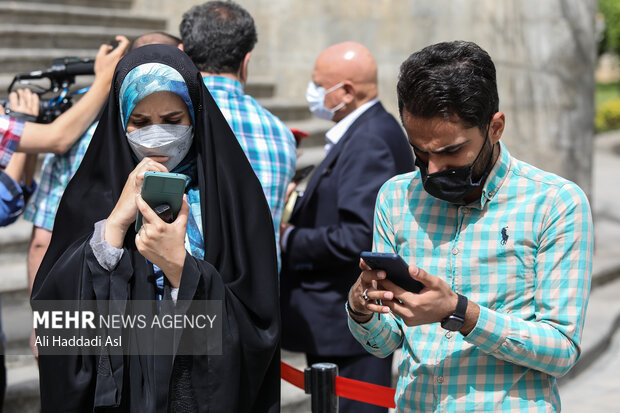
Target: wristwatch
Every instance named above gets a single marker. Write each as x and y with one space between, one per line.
455 321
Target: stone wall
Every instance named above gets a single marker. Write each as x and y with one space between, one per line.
544 50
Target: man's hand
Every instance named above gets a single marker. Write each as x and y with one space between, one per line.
106 60
163 244
289 190
24 101
432 304
283 227
367 281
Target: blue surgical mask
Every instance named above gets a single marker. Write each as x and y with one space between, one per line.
315 95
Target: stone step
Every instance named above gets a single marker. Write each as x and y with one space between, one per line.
123 4
316 129
13 61
22 394
29 13
60 36
14 239
17 316
260 88
286 110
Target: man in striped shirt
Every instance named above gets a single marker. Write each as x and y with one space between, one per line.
503 249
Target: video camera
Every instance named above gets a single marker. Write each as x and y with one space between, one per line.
61 75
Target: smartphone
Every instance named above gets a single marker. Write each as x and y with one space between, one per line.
159 189
395 267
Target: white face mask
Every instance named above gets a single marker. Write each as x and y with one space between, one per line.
315 95
172 141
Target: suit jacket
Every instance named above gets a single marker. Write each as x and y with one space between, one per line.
333 224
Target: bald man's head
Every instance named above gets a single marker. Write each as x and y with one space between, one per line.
155 38
351 64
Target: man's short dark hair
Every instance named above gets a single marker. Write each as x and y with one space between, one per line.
449 79
154 38
217 35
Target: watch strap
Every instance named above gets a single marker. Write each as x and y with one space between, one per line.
461 307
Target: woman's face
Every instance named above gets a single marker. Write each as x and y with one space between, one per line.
159 108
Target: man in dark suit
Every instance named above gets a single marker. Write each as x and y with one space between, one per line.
332 222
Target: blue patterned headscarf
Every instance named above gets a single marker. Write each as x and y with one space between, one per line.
147 79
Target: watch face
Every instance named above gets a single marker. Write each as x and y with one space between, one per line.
452 323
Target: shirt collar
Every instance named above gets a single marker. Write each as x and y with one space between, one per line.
497 176
231 86
339 129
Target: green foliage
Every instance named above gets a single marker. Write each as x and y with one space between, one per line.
608 116
610 9
605 92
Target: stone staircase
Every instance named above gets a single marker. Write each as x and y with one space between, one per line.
32 34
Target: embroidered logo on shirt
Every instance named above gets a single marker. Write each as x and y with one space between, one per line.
504 236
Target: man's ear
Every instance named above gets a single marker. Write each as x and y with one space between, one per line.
496 128
243 70
181 47
349 89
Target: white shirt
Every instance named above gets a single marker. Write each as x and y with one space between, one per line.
336 132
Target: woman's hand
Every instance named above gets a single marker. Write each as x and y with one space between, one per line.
124 213
163 244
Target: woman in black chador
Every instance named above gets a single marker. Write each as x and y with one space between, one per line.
160 117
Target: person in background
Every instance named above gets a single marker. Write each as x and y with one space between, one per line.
332 222
503 250
16 183
154 38
17 179
219 38
60 165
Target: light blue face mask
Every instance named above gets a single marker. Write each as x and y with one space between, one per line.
315 95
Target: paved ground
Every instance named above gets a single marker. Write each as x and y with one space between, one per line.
597 387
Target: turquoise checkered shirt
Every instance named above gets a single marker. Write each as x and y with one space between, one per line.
524 254
266 141
56 172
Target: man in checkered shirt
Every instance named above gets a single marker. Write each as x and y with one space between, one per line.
219 38
503 249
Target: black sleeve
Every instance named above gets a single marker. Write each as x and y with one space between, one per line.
246 376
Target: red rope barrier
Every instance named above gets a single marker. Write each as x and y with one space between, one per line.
365 392
292 375
347 388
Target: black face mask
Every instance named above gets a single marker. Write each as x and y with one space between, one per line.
453 185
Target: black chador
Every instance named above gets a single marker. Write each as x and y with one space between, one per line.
239 268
